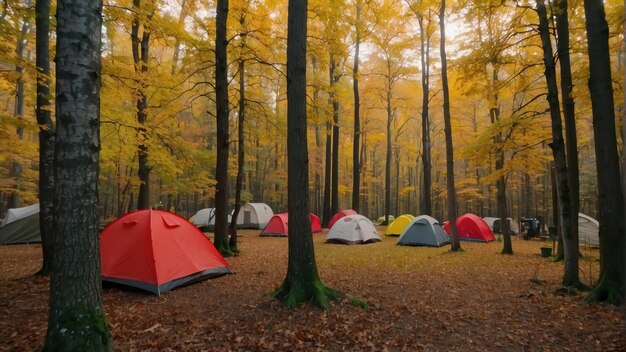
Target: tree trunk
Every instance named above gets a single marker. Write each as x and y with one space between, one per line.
388 158
334 79
221 102
611 285
76 319
570 276
302 282
16 168
240 156
501 201
141 57
456 245
46 134
426 159
327 175
356 166
569 117
181 24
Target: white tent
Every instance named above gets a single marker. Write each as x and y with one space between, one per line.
494 224
254 216
205 219
19 213
588 228
353 229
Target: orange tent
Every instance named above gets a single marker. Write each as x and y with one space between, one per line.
157 251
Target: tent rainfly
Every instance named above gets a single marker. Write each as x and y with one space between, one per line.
157 251
21 225
278 226
339 215
588 229
398 225
472 228
254 216
15 214
424 231
353 229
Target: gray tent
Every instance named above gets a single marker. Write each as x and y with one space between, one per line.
24 230
424 231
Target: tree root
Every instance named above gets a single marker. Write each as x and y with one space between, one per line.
606 292
295 292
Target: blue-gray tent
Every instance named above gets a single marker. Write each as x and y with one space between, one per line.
424 231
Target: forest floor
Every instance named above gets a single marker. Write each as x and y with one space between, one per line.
420 299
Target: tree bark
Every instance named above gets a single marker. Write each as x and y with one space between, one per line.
611 285
46 134
16 168
388 155
334 79
356 166
454 239
141 57
570 247
76 320
569 116
302 282
426 203
221 102
181 23
327 175
240 153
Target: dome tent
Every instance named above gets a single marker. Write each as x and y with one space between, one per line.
254 216
338 216
398 225
424 231
156 251
353 229
471 227
278 226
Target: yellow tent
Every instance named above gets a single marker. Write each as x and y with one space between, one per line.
398 225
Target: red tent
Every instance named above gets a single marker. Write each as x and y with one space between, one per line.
471 227
278 226
339 215
316 224
157 251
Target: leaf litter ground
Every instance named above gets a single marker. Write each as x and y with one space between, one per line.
420 299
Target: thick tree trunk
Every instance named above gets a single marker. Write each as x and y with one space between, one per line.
612 284
77 321
356 166
46 134
221 102
570 246
456 245
302 282
569 117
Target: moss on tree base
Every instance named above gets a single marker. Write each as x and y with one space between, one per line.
606 291
80 332
293 293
